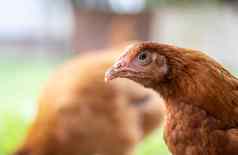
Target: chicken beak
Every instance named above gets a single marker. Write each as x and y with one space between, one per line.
109 75
115 70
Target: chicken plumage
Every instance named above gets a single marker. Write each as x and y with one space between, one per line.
79 114
201 96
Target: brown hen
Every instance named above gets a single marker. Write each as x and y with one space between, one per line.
79 114
201 96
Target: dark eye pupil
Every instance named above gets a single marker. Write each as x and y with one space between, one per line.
142 56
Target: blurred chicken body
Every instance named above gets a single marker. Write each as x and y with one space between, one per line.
201 96
79 114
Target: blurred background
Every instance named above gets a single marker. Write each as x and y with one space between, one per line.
38 35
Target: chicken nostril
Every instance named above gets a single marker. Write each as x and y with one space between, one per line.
119 64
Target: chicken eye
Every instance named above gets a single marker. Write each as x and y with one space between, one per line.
144 58
140 101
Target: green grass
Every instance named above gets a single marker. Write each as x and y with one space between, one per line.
21 82
153 145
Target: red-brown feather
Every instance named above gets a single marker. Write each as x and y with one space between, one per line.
201 99
79 114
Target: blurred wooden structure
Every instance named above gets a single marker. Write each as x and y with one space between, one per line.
95 29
